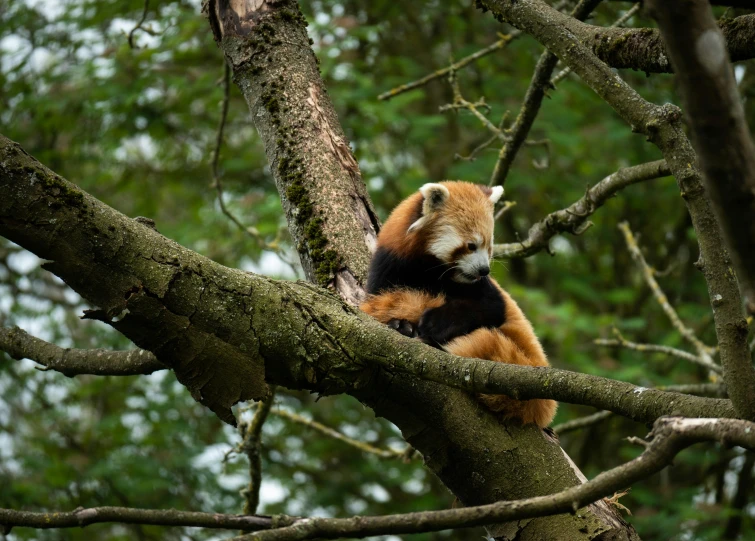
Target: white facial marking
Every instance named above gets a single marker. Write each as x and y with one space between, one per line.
445 242
471 263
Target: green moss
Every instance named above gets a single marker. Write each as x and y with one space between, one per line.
325 261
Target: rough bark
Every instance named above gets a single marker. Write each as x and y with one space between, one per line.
212 325
328 210
663 126
714 112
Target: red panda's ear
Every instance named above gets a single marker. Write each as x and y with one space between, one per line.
496 193
434 196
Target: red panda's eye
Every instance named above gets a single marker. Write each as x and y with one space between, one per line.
471 246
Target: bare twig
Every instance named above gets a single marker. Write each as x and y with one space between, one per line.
622 342
703 351
216 180
332 433
503 41
138 25
573 219
532 100
582 422
71 362
499 132
251 446
670 435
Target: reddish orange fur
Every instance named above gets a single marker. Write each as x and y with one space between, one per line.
467 206
513 342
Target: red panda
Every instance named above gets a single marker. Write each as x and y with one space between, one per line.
429 278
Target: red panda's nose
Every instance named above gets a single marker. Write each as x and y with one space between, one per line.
483 271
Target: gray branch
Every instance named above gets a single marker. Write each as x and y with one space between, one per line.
72 362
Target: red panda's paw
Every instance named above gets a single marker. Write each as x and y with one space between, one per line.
438 326
404 326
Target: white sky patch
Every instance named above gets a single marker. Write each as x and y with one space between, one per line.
560 245
269 264
739 73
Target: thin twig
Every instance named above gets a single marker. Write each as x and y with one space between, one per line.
619 22
622 342
362 446
503 41
138 25
703 351
216 181
582 422
498 132
251 445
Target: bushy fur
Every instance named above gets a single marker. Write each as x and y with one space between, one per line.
426 280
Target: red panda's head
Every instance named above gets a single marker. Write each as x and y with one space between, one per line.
452 221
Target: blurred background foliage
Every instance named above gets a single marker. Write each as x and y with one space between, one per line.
136 127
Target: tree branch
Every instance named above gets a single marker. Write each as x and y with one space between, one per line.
703 351
73 362
217 328
533 98
669 436
714 112
166 298
642 49
326 203
335 434
124 515
662 125
252 446
573 219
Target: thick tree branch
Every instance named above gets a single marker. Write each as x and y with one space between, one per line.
662 125
714 112
214 326
642 48
72 362
670 435
168 298
326 203
573 219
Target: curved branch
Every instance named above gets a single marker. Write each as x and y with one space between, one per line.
714 112
73 362
669 436
225 333
190 311
573 219
663 126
